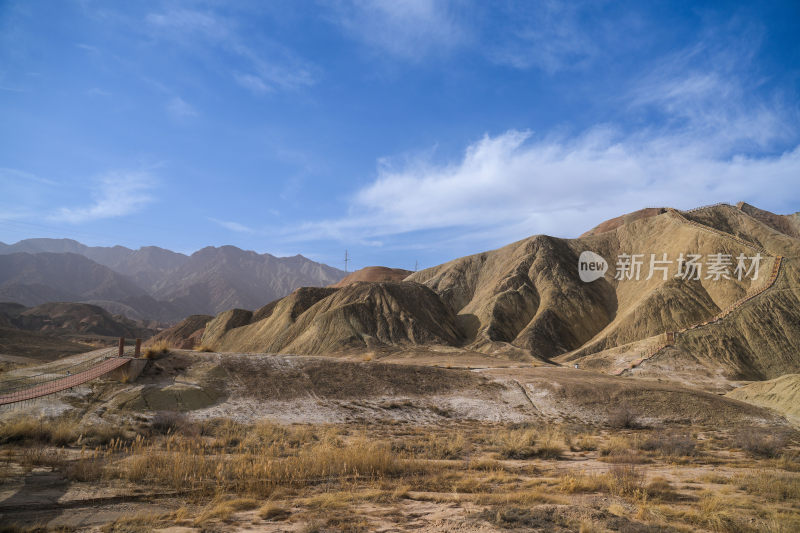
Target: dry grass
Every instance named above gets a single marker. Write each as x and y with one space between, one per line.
273 511
156 349
223 509
670 444
580 481
188 464
761 442
58 432
203 348
135 523
625 480
519 476
619 480
773 486
524 443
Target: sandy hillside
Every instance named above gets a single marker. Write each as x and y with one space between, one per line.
374 273
781 394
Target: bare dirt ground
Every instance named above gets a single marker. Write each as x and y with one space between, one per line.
249 442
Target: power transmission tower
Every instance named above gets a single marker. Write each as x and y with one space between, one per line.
416 265
346 260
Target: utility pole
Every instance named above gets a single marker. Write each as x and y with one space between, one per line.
416 265
346 260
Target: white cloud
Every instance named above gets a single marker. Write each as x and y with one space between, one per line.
233 226
116 194
410 29
179 108
512 185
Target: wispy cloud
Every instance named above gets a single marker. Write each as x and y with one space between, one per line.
186 21
264 67
712 89
410 30
9 175
180 108
233 226
252 83
547 35
116 194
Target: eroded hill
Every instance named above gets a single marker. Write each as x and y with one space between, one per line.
526 300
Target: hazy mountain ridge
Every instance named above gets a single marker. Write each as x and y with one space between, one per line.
151 282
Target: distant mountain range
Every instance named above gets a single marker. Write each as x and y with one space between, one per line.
152 283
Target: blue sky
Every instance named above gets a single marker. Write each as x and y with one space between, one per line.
401 131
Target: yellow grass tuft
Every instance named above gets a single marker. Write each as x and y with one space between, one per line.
222 509
156 349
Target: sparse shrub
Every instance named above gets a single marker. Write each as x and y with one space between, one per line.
573 482
761 442
776 486
583 443
625 480
518 444
671 444
102 434
447 445
203 348
550 444
88 467
165 422
513 517
620 449
273 511
224 509
133 523
661 489
156 349
57 431
525 443
622 417
712 514
40 455
24 428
